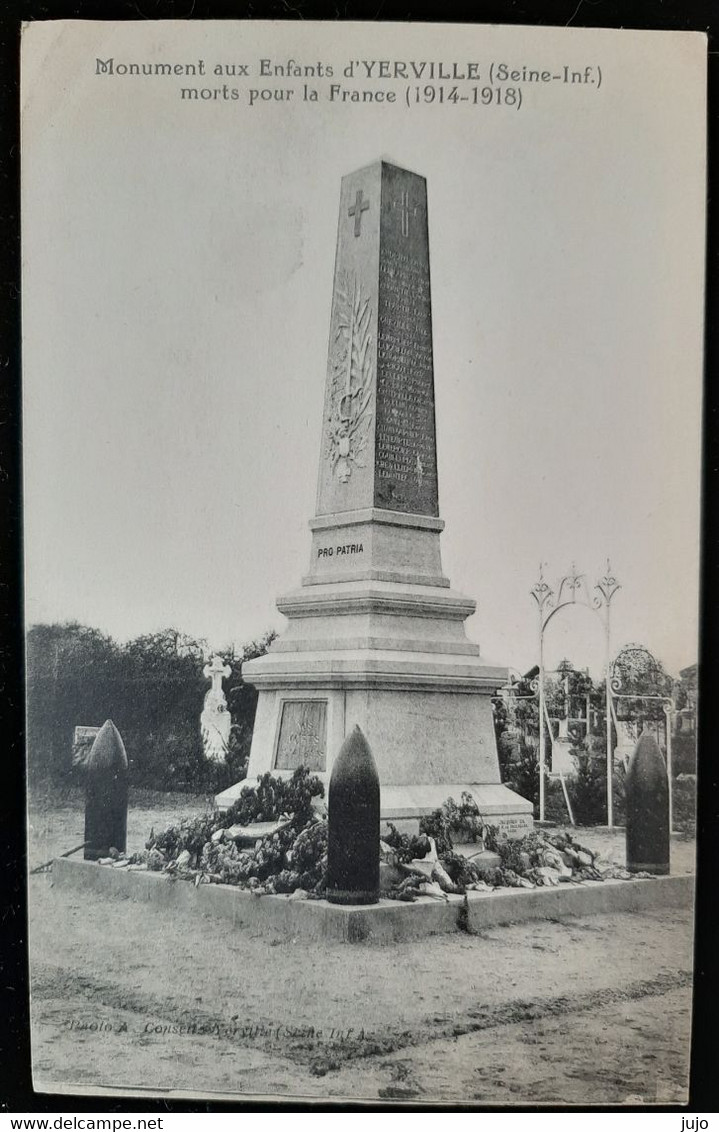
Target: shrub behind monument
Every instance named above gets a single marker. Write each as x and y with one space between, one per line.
152 687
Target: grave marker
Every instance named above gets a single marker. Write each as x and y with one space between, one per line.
215 721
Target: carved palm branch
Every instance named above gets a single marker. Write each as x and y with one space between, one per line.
352 372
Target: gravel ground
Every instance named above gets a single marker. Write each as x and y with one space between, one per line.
128 996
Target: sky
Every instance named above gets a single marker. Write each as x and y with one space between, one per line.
177 271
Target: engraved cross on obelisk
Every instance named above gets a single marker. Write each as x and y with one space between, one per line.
379 448
406 210
357 209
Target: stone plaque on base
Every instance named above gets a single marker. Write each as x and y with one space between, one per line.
302 739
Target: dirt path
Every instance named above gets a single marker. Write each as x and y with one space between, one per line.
132 997
603 1054
128 995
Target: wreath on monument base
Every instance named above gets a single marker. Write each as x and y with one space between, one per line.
273 840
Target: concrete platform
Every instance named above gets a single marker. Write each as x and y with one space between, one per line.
387 922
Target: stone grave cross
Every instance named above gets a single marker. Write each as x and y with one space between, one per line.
216 672
215 721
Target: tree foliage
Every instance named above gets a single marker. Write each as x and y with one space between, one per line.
152 688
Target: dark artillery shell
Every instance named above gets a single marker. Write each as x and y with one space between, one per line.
353 833
647 802
106 794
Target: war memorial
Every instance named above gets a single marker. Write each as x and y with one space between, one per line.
349 779
376 634
374 689
374 719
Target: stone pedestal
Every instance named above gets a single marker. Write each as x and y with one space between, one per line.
375 634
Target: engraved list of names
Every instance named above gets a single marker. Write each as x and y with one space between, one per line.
405 447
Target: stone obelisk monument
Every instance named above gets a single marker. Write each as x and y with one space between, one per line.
376 636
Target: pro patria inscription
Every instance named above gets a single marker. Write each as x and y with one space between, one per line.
340 550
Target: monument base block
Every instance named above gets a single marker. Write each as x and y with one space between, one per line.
393 658
498 805
403 806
